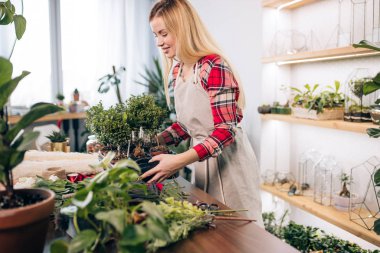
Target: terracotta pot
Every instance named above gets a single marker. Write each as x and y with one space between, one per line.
24 229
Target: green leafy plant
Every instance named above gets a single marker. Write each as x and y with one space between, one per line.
56 136
8 15
60 97
112 79
142 111
310 239
13 140
110 215
110 126
327 99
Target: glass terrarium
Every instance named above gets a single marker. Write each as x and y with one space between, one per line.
367 208
305 175
326 170
357 105
284 181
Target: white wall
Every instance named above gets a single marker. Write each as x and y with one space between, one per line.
285 142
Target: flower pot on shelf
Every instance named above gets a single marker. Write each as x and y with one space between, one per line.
327 114
23 229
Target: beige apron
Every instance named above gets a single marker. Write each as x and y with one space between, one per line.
232 177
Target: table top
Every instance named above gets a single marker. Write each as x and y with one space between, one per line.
52 117
228 236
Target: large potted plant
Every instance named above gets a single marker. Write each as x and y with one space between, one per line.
24 214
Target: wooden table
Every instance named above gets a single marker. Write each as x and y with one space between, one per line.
228 236
65 117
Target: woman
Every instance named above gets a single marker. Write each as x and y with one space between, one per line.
208 107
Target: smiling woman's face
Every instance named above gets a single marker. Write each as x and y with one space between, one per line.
164 39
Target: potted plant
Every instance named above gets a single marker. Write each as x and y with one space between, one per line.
344 198
60 97
58 141
24 214
328 104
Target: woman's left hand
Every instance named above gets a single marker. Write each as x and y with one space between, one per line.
168 165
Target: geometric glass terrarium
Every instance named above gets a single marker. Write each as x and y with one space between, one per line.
367 209
326 171
306 168
357 105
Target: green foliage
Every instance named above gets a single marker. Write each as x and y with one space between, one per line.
8 15
329 98
56 136
143 112
13 142
109 210
110 126
111 79
60 97
372 84
60 187
113 126
310 239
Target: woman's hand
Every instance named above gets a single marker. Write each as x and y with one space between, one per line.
169 165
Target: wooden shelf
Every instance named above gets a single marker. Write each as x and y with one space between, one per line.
53 117
277 3
327 213
322 55
333 124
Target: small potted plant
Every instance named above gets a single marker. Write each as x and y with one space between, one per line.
58 141
60 97
327 104
343 198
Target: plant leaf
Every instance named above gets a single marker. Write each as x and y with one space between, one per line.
6 69
376 178
7 88
114 217
34 114
27 139
370 87
59 246
82 198
16 158
373 132
134 235
20 25
376 226
82 241
367 44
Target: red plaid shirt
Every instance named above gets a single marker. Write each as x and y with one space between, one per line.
217 79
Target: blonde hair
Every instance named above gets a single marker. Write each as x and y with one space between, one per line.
193 39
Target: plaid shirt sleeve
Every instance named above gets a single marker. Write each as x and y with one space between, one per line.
217 79
176 132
